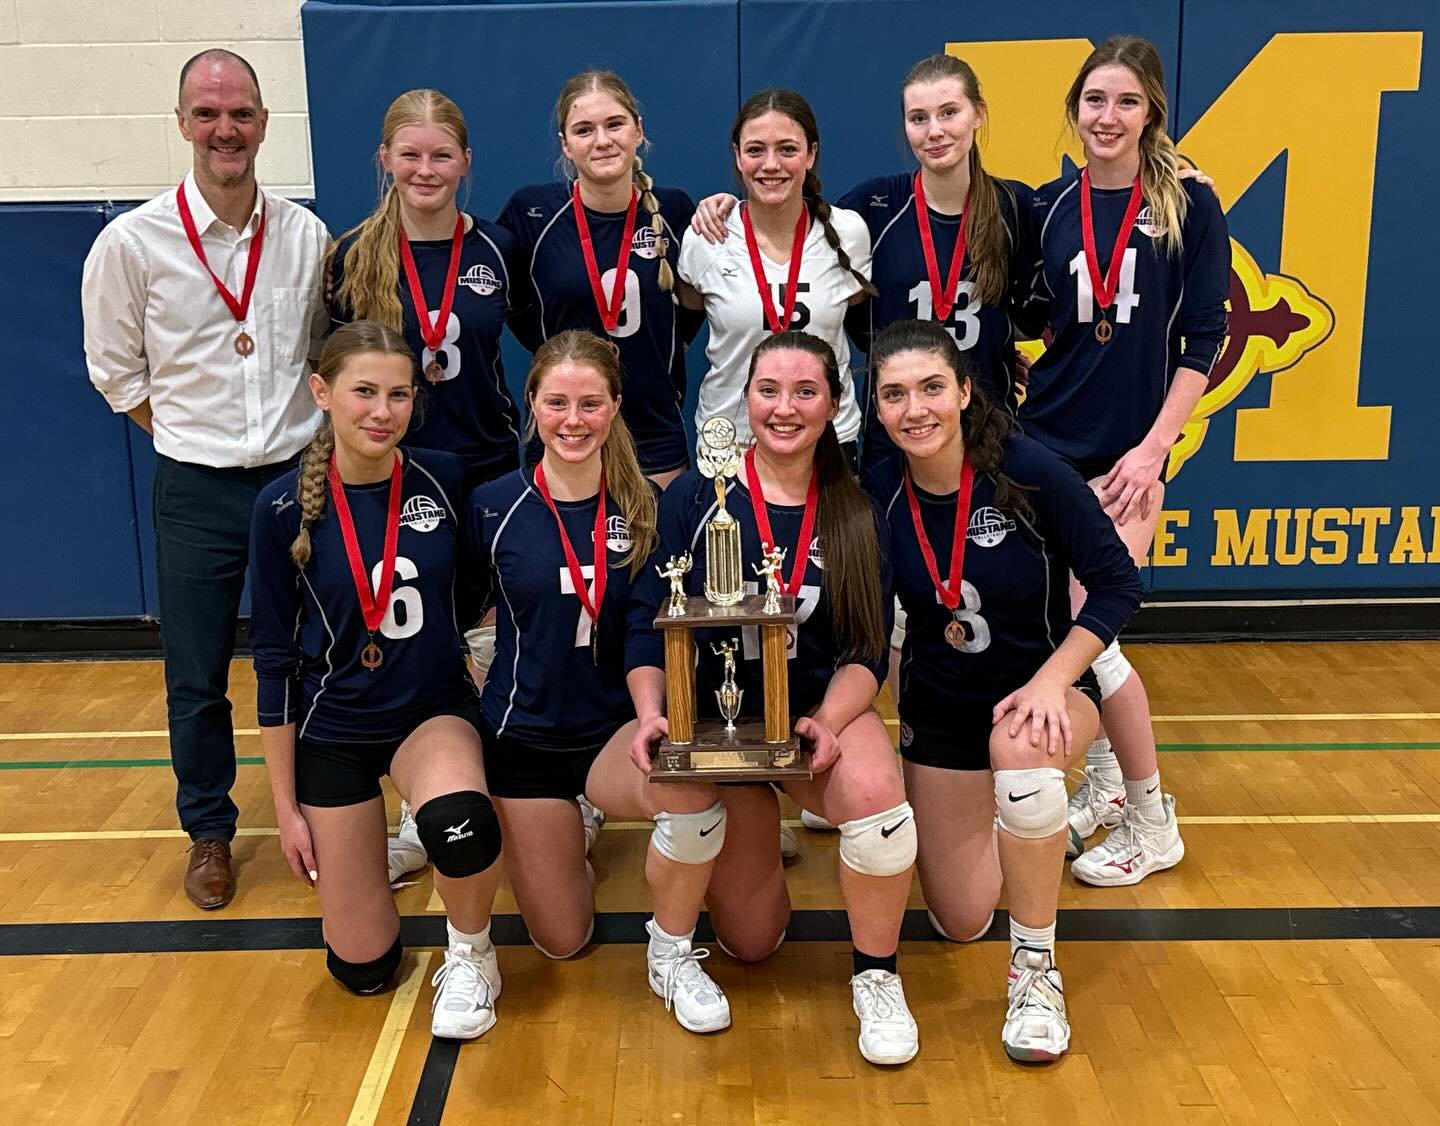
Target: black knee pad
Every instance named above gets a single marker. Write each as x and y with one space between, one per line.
365 978
460 832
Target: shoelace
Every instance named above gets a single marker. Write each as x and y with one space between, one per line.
467 975
1034 994
1087 794
681 965
880 998
207 848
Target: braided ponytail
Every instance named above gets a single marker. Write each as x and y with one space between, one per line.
349 340
646 187
821 210
1159 162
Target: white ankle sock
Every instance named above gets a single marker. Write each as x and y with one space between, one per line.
479 942
1037 938
660 938
1101 759
1144 797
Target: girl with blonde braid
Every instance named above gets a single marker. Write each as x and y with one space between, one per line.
360 673
600 248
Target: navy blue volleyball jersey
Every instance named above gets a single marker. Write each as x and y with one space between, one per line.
1015 604
1093 402
306 628
552 685
685 508
653 330
984 333
468 411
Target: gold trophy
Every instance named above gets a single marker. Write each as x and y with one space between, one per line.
732 748
719 459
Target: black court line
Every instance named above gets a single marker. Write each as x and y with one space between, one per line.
434 1086
1181 924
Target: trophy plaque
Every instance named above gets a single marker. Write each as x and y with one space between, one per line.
732 748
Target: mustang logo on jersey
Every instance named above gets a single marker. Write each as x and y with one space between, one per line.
617 534
421 514
1148 224
480 279
646 243
817 556
988 527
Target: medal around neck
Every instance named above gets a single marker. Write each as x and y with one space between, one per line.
718 459
732 748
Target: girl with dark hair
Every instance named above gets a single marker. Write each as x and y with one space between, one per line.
600 249
791 262
561 545
360 674
1131 271
796 492
995 686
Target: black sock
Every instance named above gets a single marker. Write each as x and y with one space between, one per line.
862 961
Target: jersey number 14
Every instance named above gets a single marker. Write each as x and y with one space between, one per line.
1125 296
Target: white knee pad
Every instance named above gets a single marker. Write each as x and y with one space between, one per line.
1112 670
882 844
1031 802
943 933
482 647
897 632
690 838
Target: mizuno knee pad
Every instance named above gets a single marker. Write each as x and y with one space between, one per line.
690 838
460 832
1031 802
882 844
365 978
1112 670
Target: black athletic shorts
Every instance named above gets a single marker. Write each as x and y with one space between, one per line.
338 774
963 741
516 770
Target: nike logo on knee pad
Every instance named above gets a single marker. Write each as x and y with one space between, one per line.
707 832
886 832
1022 797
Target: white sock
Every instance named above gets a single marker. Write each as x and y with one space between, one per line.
1037 938
1144 797
660 940
479 942
1101 759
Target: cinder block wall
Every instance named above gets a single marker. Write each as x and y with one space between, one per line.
87 93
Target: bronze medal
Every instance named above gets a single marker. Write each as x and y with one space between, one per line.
434 372
1103 331
244 343
955 634
371 657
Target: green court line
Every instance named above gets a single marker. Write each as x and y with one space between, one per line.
108 763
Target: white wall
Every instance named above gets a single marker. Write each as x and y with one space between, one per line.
87 93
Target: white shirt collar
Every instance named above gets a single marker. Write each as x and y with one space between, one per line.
204 216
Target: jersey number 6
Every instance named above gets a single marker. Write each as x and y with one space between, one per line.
406 612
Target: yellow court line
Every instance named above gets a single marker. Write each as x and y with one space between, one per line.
387 1047
1239 717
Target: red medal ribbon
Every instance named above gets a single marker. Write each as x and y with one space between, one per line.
949 591
797 249
577 575
609 311
433 334
238 309
372 607
762 523
943 300
1105 287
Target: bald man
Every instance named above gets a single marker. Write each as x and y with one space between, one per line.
203 312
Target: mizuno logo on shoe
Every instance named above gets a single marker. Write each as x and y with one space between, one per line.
707 832
1126 866
457 832
887 831
1022 797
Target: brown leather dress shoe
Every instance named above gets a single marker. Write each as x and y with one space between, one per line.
210 880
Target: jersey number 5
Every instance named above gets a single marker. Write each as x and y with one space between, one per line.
406 612
1125 296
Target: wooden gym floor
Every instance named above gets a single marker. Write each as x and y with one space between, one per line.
1287 972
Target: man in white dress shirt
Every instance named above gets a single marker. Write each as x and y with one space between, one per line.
203 309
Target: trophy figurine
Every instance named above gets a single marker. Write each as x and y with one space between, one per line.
728 695
718 459
774 559
675 569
